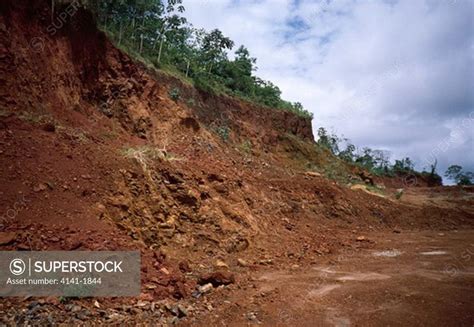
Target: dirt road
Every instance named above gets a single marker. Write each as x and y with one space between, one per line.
406 279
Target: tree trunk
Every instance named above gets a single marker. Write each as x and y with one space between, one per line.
161 48
141 43
120 33
187 69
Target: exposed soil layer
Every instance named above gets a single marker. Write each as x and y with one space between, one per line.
94 155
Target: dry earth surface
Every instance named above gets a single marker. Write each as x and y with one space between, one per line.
95 155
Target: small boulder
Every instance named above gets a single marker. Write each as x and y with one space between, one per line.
40 187
205 288
312 174
242 262
7 237
221 264
217 278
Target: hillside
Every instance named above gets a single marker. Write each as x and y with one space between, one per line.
100 152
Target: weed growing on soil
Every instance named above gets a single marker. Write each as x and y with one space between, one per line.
223 132
399 194
191 102
34 118
335 171
246 147
174 94
146 155
73 134
109 135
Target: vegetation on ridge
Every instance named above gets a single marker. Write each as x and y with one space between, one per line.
158 32
373 160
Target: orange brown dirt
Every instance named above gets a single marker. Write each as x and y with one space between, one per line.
94 155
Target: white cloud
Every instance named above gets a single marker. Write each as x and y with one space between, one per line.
390 74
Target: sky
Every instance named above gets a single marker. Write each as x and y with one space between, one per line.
396 75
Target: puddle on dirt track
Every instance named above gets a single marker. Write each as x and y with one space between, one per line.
434 253
387 253
323 290
363 277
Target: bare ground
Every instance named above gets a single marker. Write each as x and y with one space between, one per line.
421 278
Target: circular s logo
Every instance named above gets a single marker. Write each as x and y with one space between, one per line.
17 267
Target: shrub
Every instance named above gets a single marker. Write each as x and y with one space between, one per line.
203 84
246 146
223 132
174 94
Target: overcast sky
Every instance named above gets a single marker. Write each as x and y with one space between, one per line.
392 75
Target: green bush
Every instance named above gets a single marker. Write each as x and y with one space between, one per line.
223 132
174 94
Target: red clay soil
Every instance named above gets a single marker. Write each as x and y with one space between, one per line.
94 155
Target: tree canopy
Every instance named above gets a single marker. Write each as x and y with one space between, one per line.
458 175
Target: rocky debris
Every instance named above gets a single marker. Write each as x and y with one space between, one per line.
172 178
40 187
214 178
217 278
7 237
252 316
74 245
188 198
202 289
266 262
184 267
242 262
363 239
366 177
313 174
182 311
221 264
165 271
160 256
222 189
191 123
73 307
177 310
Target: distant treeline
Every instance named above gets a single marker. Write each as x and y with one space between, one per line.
378 161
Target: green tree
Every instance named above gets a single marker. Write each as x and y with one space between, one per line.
328 141
403 166
237 74
456 173
213 48
348 154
